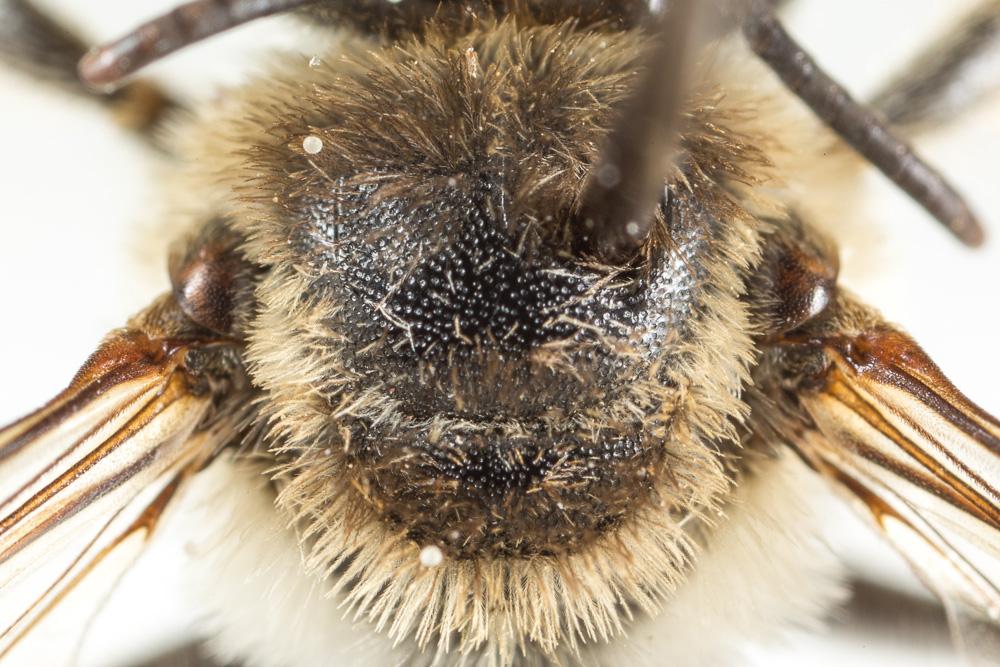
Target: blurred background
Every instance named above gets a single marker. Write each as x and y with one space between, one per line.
80 250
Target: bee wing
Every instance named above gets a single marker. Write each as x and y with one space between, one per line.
924 463
85 479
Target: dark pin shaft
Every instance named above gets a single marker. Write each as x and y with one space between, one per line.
107 65
863 129
620 200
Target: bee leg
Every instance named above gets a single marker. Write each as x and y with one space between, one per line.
191 655
395 19
36 44
859 126
950 76
881 612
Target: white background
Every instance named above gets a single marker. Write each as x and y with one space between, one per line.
80 250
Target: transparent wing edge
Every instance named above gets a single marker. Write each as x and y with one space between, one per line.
86 479
923 463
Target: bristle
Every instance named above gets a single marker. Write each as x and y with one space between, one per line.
762 571
543 595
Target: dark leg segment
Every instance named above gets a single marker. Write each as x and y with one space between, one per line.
34 43
197 20
950 76
396 19
884 614
192 655
858 125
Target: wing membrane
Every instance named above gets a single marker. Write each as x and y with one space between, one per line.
113 548
924 463
85 479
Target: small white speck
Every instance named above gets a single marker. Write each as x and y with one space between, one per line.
818 301
589 223
431 556
315 62
327 451
312 144
632 228
454 536
452 182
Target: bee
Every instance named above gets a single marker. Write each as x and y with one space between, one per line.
501 335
